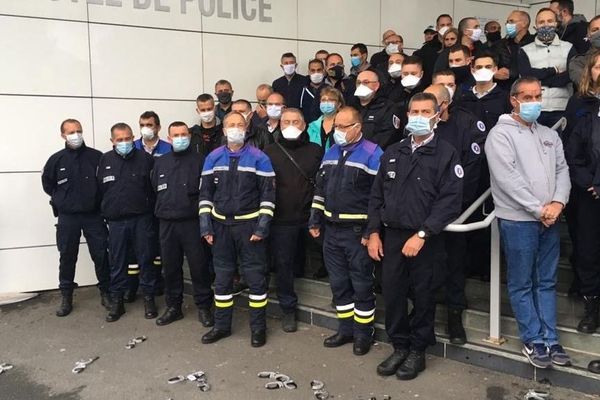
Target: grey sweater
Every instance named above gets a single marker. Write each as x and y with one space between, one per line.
527 169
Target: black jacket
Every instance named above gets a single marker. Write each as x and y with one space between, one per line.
310 100
294 192
176 181
507 51
382 121
582 152
575 33
69 178
402 97
441 63
125 184
488 108
417 191
205 140
291 89
380 59
428 53
578 108
259 135
347 86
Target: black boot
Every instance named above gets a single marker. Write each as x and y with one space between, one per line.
456 331
215 335
116 308
589 323
258 338
205 316
130 296
390 365
150 311
170 315
337 340
105 300
66 305
410 368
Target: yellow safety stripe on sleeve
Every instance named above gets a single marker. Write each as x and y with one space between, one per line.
265 211
352 216
223 304
157 263
133 272
217 215
327 213
257 304
364 320
205 210
318 206
348 314
247 216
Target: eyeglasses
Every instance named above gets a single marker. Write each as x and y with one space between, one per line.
335 126
366 82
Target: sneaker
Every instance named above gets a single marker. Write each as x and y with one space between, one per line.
559 356
537 354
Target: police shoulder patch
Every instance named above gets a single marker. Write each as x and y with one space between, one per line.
396 121
475 148
481 126
458 170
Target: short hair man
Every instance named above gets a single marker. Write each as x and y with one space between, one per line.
290 85
224 93
207 135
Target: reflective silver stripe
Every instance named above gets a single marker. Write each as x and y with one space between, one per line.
223 168
206 203
267 204
223 297
319 198
361 166
258 297
246 169
364 313
345 307
329 162
207 172
262 173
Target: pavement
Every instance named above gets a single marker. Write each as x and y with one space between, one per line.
44 348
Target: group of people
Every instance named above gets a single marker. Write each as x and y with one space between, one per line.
371 163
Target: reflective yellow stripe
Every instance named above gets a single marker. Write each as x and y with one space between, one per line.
367 320
133 272
223 304
255 304
352 216
265 211
247 216
158 263
327 213
318 206
217 215
348 314
204 210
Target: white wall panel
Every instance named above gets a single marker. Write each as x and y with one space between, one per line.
44 57
483 11
63 9
145 63
37 120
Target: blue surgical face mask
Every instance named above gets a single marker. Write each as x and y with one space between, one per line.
419 125
327 107
530 112
511 30
340 137
355 60
124 148
181 143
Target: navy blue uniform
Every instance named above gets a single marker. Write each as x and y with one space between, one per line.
310 100
413 191
489 107
176 181
341 201
237 200
69 177
291 89
383 121
127 205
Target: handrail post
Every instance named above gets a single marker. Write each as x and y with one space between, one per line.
495 286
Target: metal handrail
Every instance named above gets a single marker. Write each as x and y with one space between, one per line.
473 226
469 211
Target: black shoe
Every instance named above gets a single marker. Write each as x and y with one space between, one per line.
361 346
150 311
390 365
205 316
215 335
130 296
105 300
456 331
288 322
258 338
337 340
66 305
589 323
320 273
116 309
410 368
594 366
171 314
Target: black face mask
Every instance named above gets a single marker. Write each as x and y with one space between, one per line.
462 73
336 72
493 36
224 97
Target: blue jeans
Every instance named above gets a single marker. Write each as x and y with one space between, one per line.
532 252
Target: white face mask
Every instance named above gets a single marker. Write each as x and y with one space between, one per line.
291 133
450 91
475 34
316 78
274 111
289 69
363 92
392 48
74 140
147 133
483 75
443 30
410 81
207 116
235 135
456 65
394 70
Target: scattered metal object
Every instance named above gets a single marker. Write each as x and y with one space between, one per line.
176 379
387 397
204 386
267 374
5 367
136 340
321 394
81 365
281 378
534 394
316 385
199 376
273 385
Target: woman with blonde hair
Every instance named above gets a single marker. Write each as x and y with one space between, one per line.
320 131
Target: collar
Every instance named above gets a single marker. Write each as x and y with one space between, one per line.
272 128
414 145
150 149
484 93
353 146
555 42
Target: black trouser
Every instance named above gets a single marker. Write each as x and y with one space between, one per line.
133 271
135 232
422 276
284 243
351 278
176 239
68 233
588 243
571 210
456 250
232 242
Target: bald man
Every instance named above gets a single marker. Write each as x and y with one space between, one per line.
382 56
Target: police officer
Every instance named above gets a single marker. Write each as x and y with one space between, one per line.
311 93
127 205
381 121
336 77
256 135
417 192
412 82
237 201
290 85
207 135
156 147
69 179
340 203
295 161
466 134
176 179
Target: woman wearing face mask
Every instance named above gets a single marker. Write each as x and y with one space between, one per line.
469 34
449 38
320 131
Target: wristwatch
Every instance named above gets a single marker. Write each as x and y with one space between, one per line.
422 235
